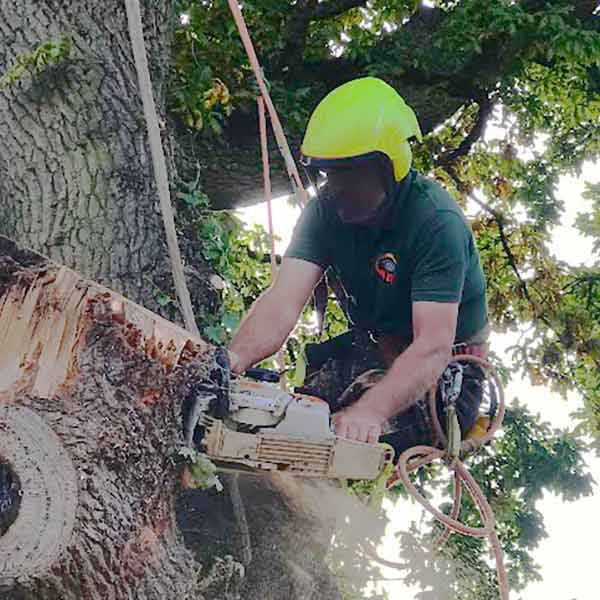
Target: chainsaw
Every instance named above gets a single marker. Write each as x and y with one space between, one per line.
252 425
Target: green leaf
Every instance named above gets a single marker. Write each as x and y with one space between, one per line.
215 333
164 299
231 321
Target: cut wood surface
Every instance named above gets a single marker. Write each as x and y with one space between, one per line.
91 507
91 388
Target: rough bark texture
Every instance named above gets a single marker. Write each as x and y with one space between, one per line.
76 179
91 390
90 396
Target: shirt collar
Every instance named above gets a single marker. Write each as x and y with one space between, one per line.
402 191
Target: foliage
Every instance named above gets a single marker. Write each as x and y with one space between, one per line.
212 74
531 69
235 253
529 459
200 473
48 54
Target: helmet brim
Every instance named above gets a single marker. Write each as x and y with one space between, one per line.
347 162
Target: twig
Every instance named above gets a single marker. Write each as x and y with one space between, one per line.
500 222
485 109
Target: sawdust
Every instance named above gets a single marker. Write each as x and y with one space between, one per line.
353 526
357 531
330 503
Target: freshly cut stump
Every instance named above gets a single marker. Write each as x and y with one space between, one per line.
91 389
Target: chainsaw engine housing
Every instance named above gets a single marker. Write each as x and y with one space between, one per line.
268 429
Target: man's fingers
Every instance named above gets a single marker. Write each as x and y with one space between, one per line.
352 431
373 434
340 426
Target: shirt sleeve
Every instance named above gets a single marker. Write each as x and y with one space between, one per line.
441 255
309 240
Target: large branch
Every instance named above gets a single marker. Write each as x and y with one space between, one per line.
91 390
485 109
333 8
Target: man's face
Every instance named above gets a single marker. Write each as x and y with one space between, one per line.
357 192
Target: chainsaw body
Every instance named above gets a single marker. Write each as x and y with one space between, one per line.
264 428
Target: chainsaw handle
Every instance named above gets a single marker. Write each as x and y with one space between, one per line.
260 374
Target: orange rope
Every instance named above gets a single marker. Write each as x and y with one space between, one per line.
284 148
426 454
265 99
267 179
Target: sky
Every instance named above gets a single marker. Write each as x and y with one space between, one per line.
568 556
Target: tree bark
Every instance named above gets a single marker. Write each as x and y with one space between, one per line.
91 389
76 180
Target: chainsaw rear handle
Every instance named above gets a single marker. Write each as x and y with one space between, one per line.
260 374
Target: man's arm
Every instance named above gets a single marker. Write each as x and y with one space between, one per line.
410 376
268 323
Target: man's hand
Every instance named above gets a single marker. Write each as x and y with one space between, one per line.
359 422
235 363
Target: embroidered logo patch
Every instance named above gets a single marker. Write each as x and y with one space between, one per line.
385 267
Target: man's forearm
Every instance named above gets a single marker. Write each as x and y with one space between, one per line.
262 332
408 379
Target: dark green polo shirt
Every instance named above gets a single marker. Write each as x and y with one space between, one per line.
426 254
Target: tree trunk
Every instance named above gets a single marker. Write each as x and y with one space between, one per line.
76 180
91 387
94 390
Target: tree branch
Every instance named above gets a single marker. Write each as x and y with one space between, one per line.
306 11
500 222
485 109
297 28
333 8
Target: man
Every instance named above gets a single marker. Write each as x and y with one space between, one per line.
405 255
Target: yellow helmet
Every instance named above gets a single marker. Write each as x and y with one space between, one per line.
358 118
